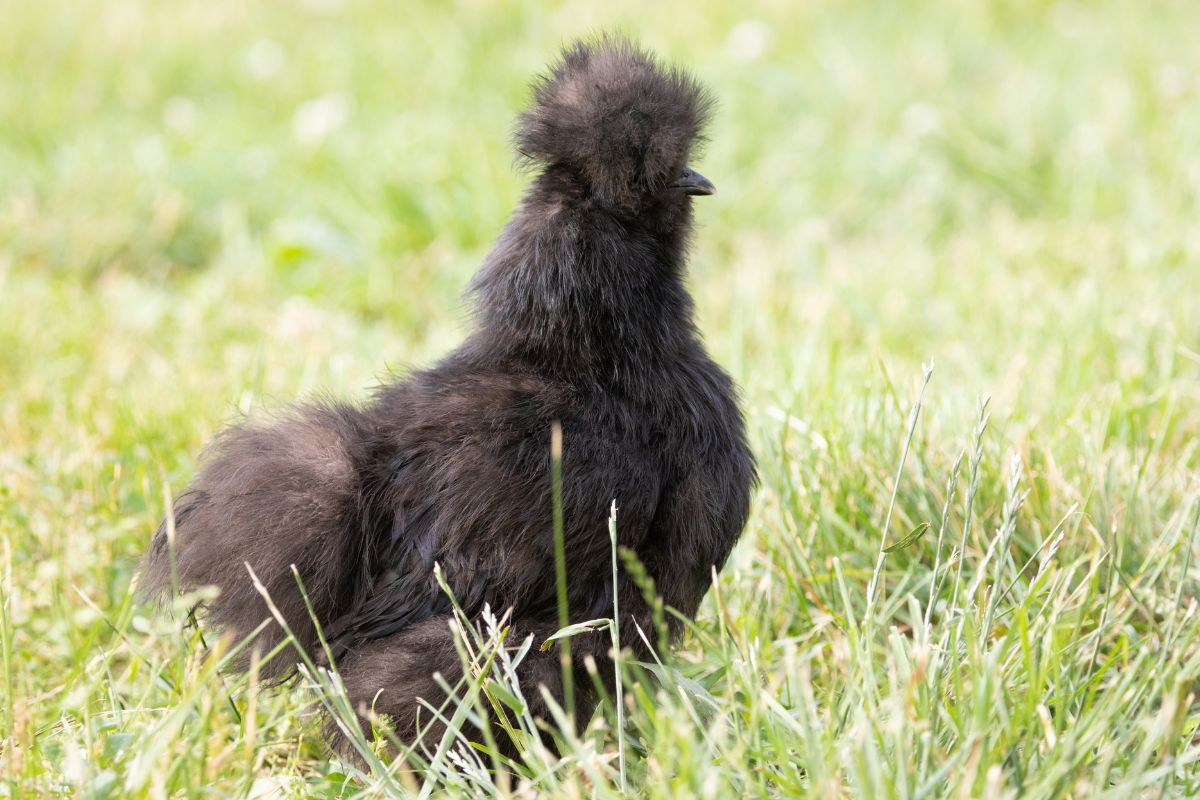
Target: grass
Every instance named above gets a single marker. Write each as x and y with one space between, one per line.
213 208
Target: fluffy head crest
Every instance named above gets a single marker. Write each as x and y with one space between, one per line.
611 111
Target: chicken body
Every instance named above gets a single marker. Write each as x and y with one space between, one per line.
584 320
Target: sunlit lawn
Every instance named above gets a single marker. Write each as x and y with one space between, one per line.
215 208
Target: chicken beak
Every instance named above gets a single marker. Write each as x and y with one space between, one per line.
693 183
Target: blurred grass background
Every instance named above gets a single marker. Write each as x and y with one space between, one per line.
214 208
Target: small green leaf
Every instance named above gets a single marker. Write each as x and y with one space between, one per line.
912 538
577 628
505 696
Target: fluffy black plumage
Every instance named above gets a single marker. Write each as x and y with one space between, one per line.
612 112
583 317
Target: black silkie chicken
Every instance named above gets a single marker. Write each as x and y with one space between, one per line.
583 318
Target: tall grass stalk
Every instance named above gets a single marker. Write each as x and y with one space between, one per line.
560 564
